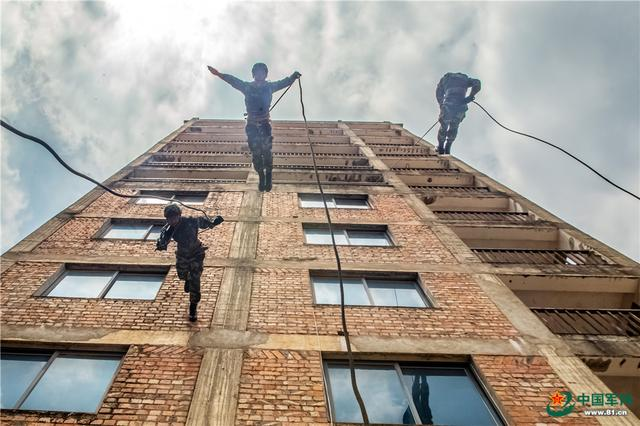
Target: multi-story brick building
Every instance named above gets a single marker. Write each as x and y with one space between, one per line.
467 303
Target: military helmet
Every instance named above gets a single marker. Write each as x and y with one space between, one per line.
172 210
258 66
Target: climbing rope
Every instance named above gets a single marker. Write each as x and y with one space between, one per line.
345 330
90 179
560 149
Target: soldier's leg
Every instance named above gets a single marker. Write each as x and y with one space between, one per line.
194 289
182 268
442 135
451 136
253 139
267 156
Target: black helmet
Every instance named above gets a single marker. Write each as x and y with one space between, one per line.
172 210
258 66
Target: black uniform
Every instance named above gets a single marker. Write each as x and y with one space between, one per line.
190 252
451 94
257 99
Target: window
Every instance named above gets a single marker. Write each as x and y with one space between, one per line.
369 292
133 231
346 237
334 201
185 197
409 394
56 381
106 285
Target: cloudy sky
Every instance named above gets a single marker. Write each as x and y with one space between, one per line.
103 81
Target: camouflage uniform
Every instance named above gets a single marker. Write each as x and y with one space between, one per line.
451 95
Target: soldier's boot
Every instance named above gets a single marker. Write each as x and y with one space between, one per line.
193 312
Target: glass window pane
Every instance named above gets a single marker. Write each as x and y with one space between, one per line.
135 286
81 284
154 200
368 238
315 201
447 396
327 291
395 293
322 236
155 232
128 231
352 203
381 390
16 373
73 383
191 198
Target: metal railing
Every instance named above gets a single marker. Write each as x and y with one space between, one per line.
444 188
540 256
618 322
513 217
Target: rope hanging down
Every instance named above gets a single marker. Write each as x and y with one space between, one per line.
363 410
560 149
90 179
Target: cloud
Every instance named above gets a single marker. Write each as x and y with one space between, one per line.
104 81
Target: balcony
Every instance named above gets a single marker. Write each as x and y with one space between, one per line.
451 188
176 148
616 322
488 216
540 256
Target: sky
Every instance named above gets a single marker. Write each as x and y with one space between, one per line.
104 81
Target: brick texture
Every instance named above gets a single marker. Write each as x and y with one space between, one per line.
75 238
153 386
414 244
282 302
281 387
384 207
523 386
167 312
107 205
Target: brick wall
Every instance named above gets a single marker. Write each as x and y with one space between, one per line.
281 387
384 207
74 238
414 244
523 386
167 312
154 384
282 302
107 205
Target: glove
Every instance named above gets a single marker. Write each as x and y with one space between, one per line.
469 99
217 220
160 246
296 75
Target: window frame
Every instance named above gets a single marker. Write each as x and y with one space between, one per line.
53 355
173 195
333 198
102 233
344 230
429 304
468 367
57 277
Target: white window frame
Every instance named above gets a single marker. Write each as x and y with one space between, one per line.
172 196
425 299
397 366
107 287
146 234
345 232
331 198
52 356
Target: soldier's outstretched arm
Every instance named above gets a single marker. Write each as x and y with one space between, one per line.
205 223
234 82
475 85
285 82
165 236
